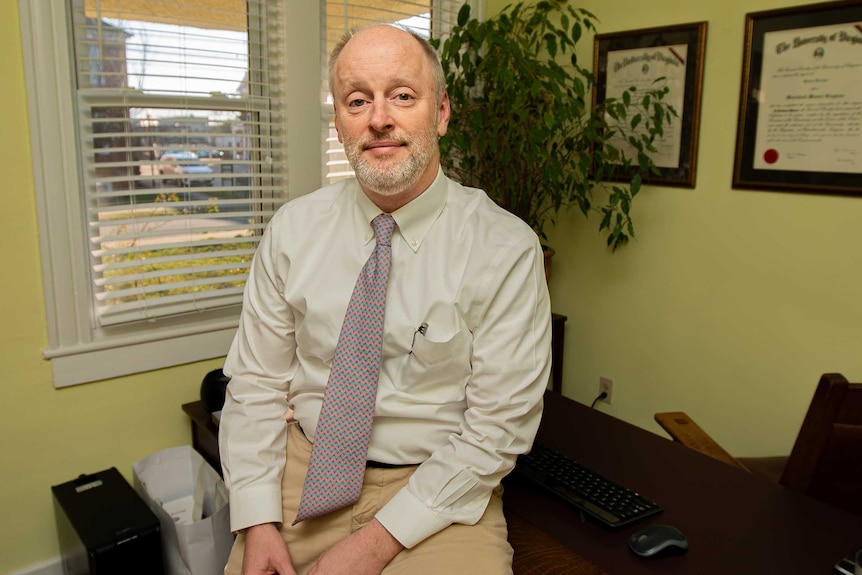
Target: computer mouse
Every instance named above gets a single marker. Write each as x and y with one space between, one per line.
658 541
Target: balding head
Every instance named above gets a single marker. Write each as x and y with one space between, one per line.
382 31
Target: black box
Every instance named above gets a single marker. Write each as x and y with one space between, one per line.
105 528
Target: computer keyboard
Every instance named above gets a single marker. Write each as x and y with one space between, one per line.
608 502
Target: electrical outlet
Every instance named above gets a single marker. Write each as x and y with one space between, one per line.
606 385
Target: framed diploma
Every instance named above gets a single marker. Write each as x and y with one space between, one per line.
669 56
800 105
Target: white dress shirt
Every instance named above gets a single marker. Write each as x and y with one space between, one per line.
463 398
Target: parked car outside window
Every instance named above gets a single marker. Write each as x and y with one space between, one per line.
185 163
211 154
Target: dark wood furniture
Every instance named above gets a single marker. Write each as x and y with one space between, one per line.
558 341
736 522
684 430
826 460
204 433
537 553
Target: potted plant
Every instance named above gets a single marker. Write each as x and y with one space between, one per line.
523 128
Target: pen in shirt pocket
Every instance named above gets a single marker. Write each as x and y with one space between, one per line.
423 327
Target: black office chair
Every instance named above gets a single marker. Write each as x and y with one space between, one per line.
826 460
213 390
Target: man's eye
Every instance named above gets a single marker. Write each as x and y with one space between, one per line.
356 103
403 97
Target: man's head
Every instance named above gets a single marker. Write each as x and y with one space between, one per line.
390 107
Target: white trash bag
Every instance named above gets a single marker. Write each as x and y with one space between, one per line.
191 501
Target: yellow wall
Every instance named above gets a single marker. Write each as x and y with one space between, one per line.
49 436
730 303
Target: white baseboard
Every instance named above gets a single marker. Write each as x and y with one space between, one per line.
49 567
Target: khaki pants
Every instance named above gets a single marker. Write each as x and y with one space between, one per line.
480 549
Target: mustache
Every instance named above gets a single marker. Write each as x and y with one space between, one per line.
399 140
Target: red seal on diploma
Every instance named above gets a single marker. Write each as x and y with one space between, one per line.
770 156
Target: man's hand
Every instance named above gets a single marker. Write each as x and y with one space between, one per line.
365 552
265 552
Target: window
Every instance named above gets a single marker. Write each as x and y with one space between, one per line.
180 151
160 132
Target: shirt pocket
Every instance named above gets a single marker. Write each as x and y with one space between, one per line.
437 368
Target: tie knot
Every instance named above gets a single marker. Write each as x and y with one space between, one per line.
383 226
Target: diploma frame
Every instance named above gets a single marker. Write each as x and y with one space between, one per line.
692 35
753 101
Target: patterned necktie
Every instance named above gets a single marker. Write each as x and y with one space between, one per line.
337 464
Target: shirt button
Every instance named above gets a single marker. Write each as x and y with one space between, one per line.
413 243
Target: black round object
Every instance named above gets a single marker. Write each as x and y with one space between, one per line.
213 390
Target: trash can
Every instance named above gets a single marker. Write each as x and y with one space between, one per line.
191 501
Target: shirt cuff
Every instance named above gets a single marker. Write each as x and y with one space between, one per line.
255 505
409 520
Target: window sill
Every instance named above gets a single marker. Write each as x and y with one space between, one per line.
88 363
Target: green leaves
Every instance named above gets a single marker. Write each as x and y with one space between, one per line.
464 14
635 185
522 128
551 44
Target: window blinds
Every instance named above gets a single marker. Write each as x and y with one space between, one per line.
426 17
181 113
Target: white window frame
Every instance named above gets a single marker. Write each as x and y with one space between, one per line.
79 350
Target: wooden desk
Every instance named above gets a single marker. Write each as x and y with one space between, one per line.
558 341
204 433
736 523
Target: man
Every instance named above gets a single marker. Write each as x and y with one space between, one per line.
465 344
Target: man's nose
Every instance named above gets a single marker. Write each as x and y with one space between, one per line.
381 118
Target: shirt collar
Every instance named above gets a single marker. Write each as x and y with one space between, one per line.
416 218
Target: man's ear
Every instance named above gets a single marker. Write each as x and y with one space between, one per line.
335 120
443 114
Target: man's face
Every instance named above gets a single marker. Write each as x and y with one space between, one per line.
386 112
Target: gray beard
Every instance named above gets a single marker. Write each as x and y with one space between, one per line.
389 181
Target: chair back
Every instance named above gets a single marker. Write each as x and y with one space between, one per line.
826 461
